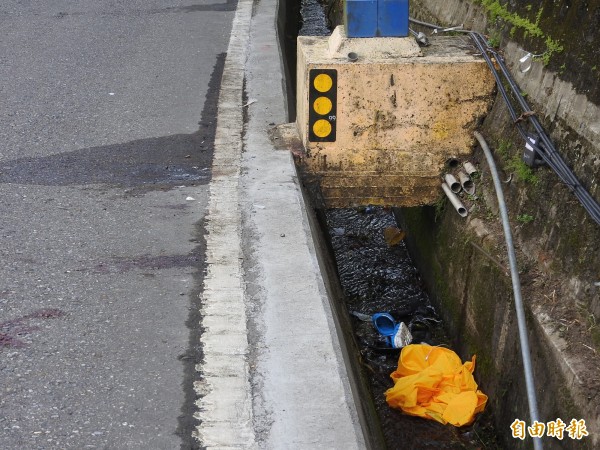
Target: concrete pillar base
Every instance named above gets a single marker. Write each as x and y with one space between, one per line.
400 113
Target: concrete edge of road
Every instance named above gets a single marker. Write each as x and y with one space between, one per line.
272 375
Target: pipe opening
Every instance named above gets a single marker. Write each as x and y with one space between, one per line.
452 163
453 183
466 182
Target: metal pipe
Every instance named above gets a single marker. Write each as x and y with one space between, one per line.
514 273
470 169
421 38
458 206
452 183
436 27
466 182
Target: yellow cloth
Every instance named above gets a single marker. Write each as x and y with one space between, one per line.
432 382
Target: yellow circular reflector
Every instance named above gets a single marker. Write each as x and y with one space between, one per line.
322 105
323 82
322 128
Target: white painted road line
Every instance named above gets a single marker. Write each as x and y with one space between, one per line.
224 405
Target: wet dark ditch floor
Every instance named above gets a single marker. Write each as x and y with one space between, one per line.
376 277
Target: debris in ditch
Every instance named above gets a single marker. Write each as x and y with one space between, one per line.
393 236
376 277
384 323
361 316
339 231
432 382
397 334
401 337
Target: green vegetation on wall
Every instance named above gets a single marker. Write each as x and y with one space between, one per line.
522 171
513 163
497 11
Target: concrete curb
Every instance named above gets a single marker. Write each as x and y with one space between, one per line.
273 375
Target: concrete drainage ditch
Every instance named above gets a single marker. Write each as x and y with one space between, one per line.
365 275
461 262
375 276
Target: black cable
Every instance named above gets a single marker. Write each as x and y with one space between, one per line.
559 165
501 88
547 151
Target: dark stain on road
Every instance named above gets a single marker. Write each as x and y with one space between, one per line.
229 5
193 355
146 262
145 164
12 330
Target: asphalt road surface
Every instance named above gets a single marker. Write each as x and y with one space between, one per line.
107 115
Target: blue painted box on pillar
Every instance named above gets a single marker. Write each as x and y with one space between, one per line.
376 18
392 18
360 17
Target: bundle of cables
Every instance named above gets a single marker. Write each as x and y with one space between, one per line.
538 142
